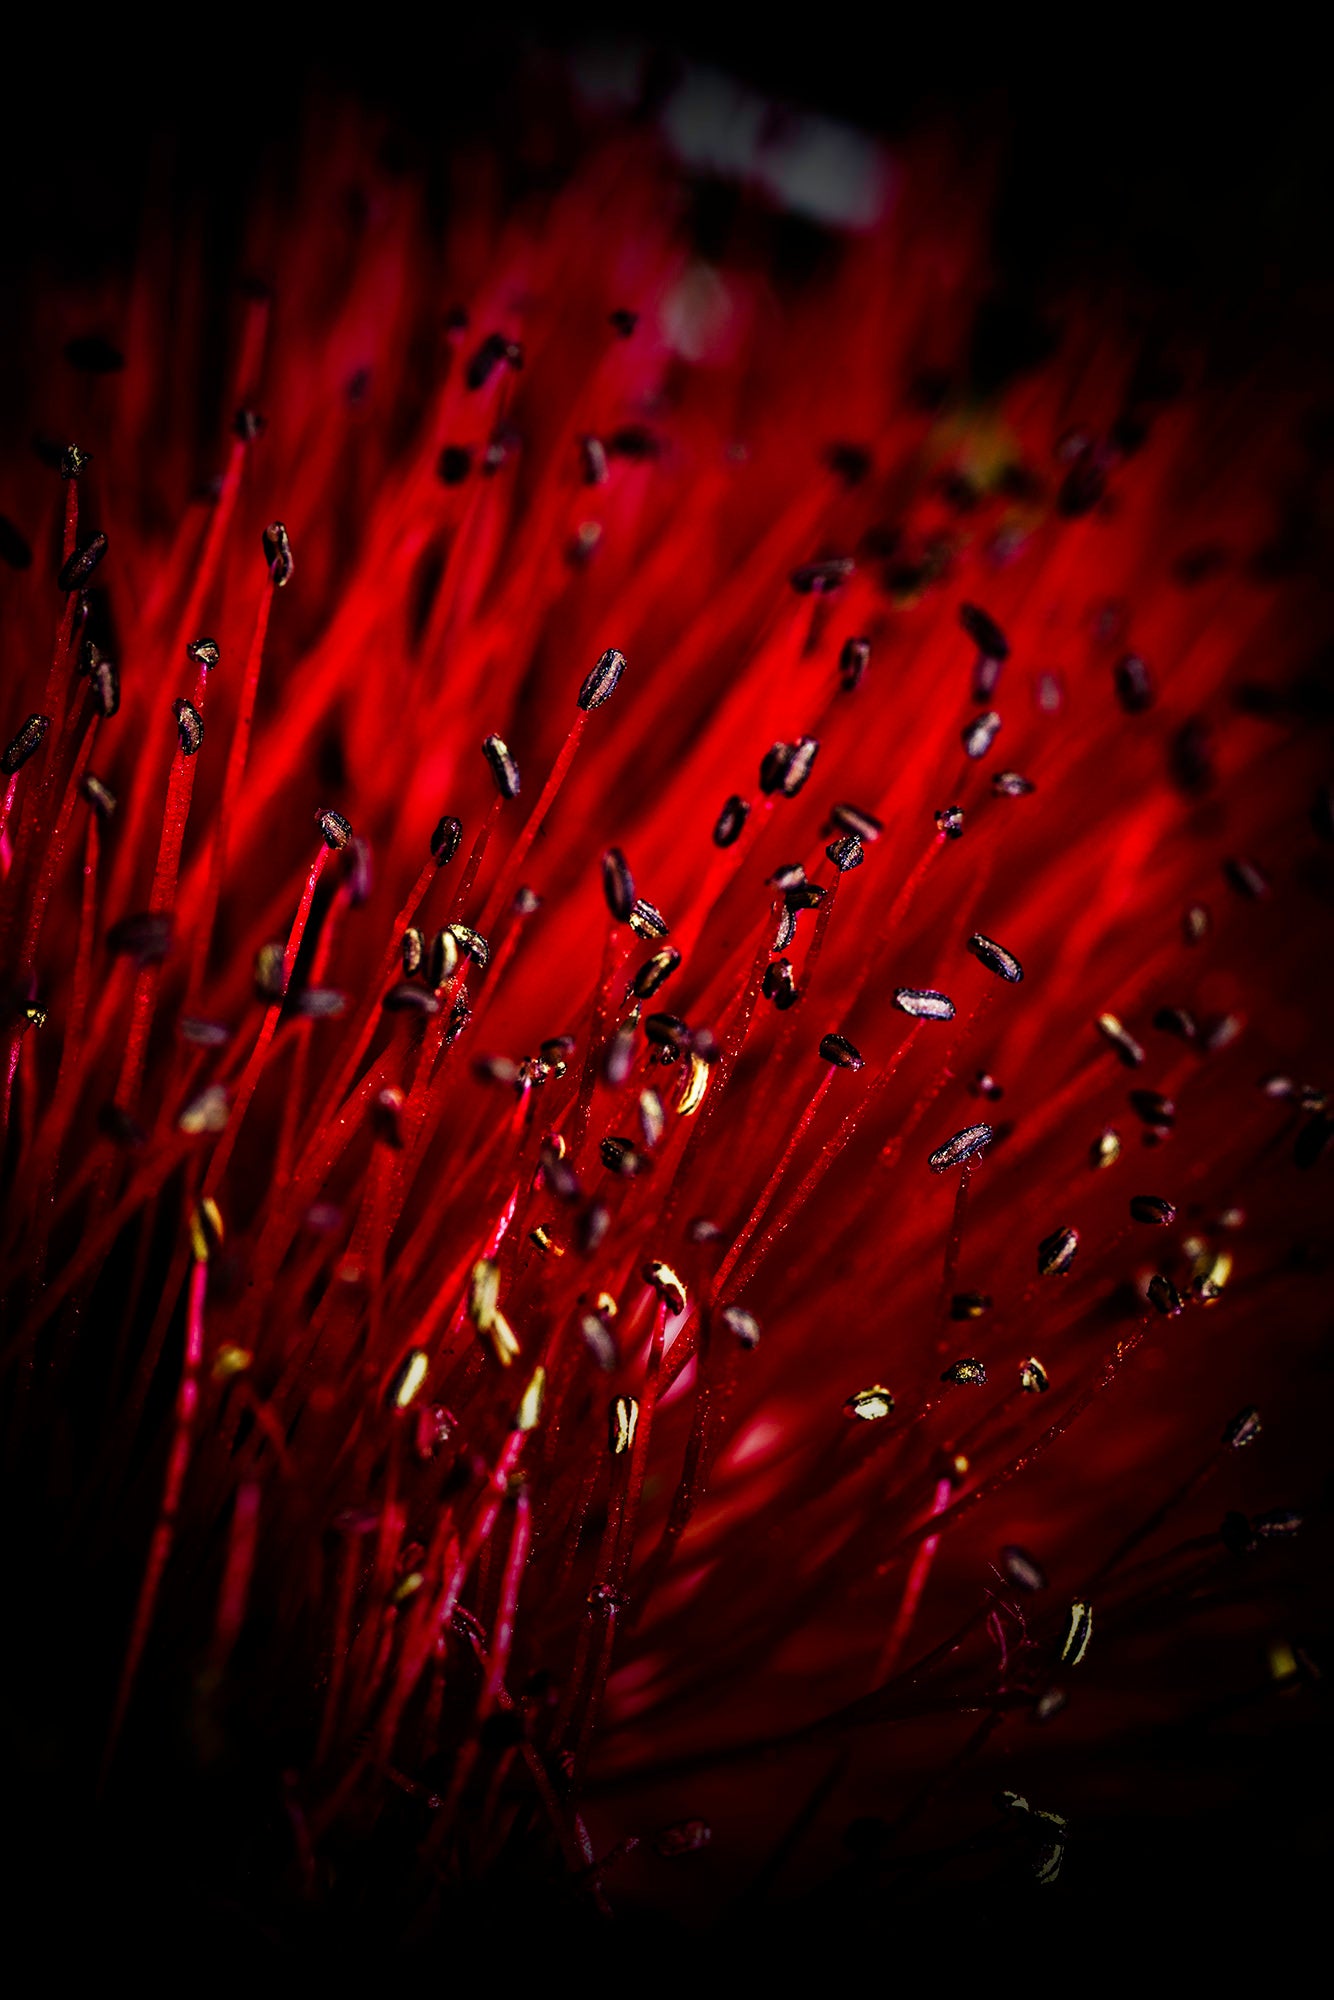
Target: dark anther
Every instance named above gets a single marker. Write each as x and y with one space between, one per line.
1021 1569
637 443
278 554
785 767
963 1146
619 1059
622 1421
1011 785
189 727
387 1117
621 1156
498 1069
853 661
773 767
846 853
494 350
861 825
144 937
472 944
1277 1523
204 1034
1134 685
1083 486
819 577
984 1084
986 673
647 922
804 896
559 1174
618 885
979 735
1158 1112
1056 1253
503 767
205 653
995 957
602 683
1217 1033
970 1305
1195 924
106 687
413 951
99 796
984 632
949 822
790 875
72 461
852 463
839 1051
593 454
1177 1021
405 998
804 752
743 1326
598 1341
454 464
1152 1208
924 1004
1164 1296
501 448
1033 1377
321 1003
336 830
593 1227
269 971
1243 1430
78 567
668 1031
666 1284
779 984
728 826
968 1373
1121 1039
1191 757
1246 879
445 840
654 971
623 321
787 929
247 425
25 744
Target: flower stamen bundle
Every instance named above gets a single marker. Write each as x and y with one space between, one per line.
565 920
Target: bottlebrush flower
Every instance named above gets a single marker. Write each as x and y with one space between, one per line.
611 934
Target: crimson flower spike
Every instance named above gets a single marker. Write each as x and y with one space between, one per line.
655 1151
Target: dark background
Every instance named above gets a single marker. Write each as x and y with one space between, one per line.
1202 161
